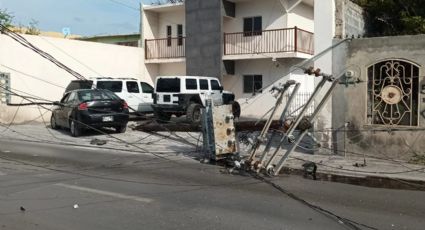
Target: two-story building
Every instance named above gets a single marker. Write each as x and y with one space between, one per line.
248 44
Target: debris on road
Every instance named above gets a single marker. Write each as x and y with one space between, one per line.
96 141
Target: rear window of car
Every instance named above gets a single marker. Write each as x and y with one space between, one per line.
79 85
113 86
146 88
132 87
96 95
168 85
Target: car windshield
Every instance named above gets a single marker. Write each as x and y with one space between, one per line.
168 85
96 95
113 86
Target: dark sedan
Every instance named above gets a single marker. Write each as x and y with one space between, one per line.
90 109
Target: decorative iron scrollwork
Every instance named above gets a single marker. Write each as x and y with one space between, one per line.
393 93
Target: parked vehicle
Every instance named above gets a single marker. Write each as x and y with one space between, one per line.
186 95
86 108
137 94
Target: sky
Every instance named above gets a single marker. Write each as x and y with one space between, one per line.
82 17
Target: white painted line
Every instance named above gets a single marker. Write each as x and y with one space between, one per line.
106 193
6 151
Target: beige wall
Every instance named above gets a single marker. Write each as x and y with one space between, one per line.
88 58
155 23
172 69
302 16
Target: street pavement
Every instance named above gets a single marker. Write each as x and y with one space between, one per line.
83 187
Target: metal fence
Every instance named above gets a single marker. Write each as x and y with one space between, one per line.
165 48
4 87
298 103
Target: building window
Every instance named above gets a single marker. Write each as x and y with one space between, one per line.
393 93
252 26
180 35
169 35
4 88
252 83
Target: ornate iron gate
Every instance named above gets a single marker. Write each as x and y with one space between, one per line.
393 93
4 87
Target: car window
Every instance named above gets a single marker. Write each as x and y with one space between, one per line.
203 84
146 88
79 84
113 86
65 98
168 85
71 98
132 87
191 83
215 85
95 95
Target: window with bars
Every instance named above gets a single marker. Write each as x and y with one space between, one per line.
5 95
393 93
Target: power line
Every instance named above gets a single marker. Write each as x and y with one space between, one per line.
125 5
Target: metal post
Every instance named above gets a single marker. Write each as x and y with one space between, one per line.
208 130
298 119
268 123
311 119
282 116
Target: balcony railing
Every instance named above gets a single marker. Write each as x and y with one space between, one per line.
269 41
165 48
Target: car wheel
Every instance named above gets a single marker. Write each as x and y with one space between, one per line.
121 129
162 117
75 128
53 124
193 114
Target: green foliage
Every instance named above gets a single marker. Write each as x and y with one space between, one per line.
394 17
32 28
5 17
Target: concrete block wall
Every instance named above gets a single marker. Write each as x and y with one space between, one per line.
350 103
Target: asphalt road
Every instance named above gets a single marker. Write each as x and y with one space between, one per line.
74 187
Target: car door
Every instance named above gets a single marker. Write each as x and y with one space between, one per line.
134 96
216 92
68 108
204 90
147 91
58 111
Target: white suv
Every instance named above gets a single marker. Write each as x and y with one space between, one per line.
137 94
186 95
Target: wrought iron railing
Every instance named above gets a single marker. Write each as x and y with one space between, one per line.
269 41
165 48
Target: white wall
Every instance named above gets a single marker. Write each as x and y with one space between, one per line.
88 58
166 69
302 16
172 19
272 12
271 72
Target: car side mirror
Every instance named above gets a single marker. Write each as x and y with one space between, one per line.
221 89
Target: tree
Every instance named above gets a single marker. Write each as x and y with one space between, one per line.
32 28
393 17
5 18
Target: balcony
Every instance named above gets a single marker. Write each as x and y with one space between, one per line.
165 50
279 43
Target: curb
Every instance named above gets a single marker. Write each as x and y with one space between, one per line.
361 180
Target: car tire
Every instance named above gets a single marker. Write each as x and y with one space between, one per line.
236 109
75 128
193 114
162 117
53 123
121 129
